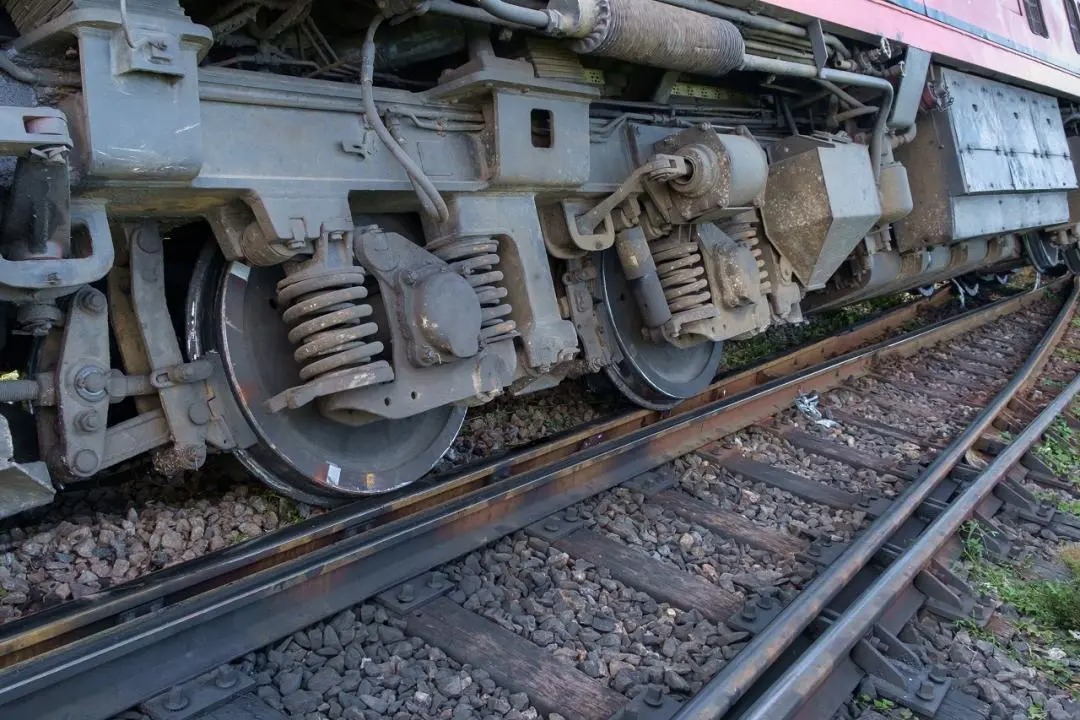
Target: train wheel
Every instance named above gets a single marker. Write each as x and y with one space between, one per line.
655 375
300 452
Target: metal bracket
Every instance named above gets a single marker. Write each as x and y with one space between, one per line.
930 509
899 675
199 695
582 306
414 592
652 482
755 615
22 485
153 52
950 597
82 377
817 43
557 526
1023 504
185 405
24 129
822 552
995 541
873 504
650 704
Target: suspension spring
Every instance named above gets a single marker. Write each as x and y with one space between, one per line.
746 229
324 310
475 258
682 275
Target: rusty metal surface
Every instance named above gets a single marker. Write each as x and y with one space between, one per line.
721 693
312 570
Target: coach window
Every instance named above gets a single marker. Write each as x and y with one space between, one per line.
1036 19
1074 22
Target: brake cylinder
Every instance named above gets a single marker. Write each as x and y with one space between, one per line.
660 35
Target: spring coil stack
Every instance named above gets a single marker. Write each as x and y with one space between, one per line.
475 258
682 276
324 309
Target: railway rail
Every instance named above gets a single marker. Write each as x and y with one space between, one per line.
178 623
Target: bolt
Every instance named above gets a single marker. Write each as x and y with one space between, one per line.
826 542
406 594
653 696
551 526
93 301
409 277
926 691
436 581
571 515
764 602
91 382
749 612
937 675
176 700
88 421
225 677
813 550
148 241
85 462
199 412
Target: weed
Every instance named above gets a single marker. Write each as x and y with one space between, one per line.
1060 449
884 704
1036 712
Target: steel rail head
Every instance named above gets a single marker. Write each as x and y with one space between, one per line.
814 666
721 693
254 606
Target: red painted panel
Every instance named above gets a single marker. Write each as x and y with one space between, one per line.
1049 63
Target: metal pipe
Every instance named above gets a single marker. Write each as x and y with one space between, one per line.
725 689
839 92
814 666
469 12
841 77
538 19
742 17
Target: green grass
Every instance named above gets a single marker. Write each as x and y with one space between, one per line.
743 353
1049 609
1060 450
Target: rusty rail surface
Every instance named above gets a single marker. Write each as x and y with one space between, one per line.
179 622
722 692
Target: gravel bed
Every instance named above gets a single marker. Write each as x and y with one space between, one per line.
578 612
865 441
509 422
630 518
764 505
944 409
361 665
772 450
941 429
94 538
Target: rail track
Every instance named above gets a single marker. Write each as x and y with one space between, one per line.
863 549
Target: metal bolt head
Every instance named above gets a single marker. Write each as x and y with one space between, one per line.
653 696
85 462
88 421
406 593
937 675
199 413
91 382
926 691
551 526
409 277
225 676
814 550
571 515
148 241
749 612
436 581
765 602
93 301
176 700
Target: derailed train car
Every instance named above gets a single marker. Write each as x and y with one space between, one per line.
314 233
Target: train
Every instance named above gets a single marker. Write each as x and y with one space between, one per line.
313 234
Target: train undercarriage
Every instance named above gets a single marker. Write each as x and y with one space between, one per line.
314 234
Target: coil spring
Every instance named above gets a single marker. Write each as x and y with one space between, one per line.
682 275
475 259
745 228
323 309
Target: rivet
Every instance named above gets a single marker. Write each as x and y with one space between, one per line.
406 594
176 700
85 462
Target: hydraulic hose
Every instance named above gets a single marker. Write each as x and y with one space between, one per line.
538 19
430 199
